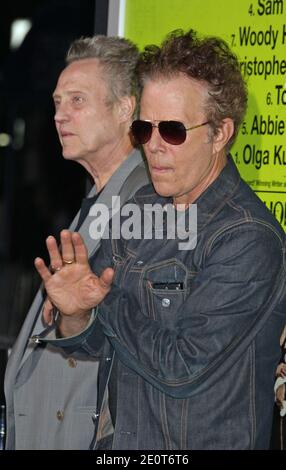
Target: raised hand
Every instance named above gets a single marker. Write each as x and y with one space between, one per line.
70 284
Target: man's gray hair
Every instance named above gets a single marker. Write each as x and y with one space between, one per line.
118 58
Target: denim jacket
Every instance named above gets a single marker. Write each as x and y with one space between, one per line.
196 362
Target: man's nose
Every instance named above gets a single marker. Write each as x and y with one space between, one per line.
155 141
61 113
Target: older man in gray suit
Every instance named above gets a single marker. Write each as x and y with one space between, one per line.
51 397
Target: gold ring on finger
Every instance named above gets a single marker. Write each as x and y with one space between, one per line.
68 261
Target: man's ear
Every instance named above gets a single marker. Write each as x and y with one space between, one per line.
126 107
224 134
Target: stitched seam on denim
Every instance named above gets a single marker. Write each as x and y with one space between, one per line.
168 262
184 423
192 274
221 204
240 209
139 384
239 223
130 252
117 265
166 434
117 259
128 261
284 257
134 269
115 250
167 292
252 396
140 291
150 302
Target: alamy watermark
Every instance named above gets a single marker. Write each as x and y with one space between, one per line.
152 221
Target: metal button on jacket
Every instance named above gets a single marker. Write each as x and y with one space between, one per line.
166 302
60 415
72 362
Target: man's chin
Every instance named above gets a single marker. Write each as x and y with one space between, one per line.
69 156
163 190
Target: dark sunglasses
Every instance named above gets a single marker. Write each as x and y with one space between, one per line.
173 132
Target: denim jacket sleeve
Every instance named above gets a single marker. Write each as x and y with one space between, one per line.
240 282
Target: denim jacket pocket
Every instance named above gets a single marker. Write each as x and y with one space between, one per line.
164 290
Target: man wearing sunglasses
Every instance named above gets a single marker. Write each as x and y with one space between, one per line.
189 338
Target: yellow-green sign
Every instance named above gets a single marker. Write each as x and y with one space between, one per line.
256 30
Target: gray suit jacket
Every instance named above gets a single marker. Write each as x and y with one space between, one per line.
51 397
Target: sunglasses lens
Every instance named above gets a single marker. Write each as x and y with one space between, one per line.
173 132
142 131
